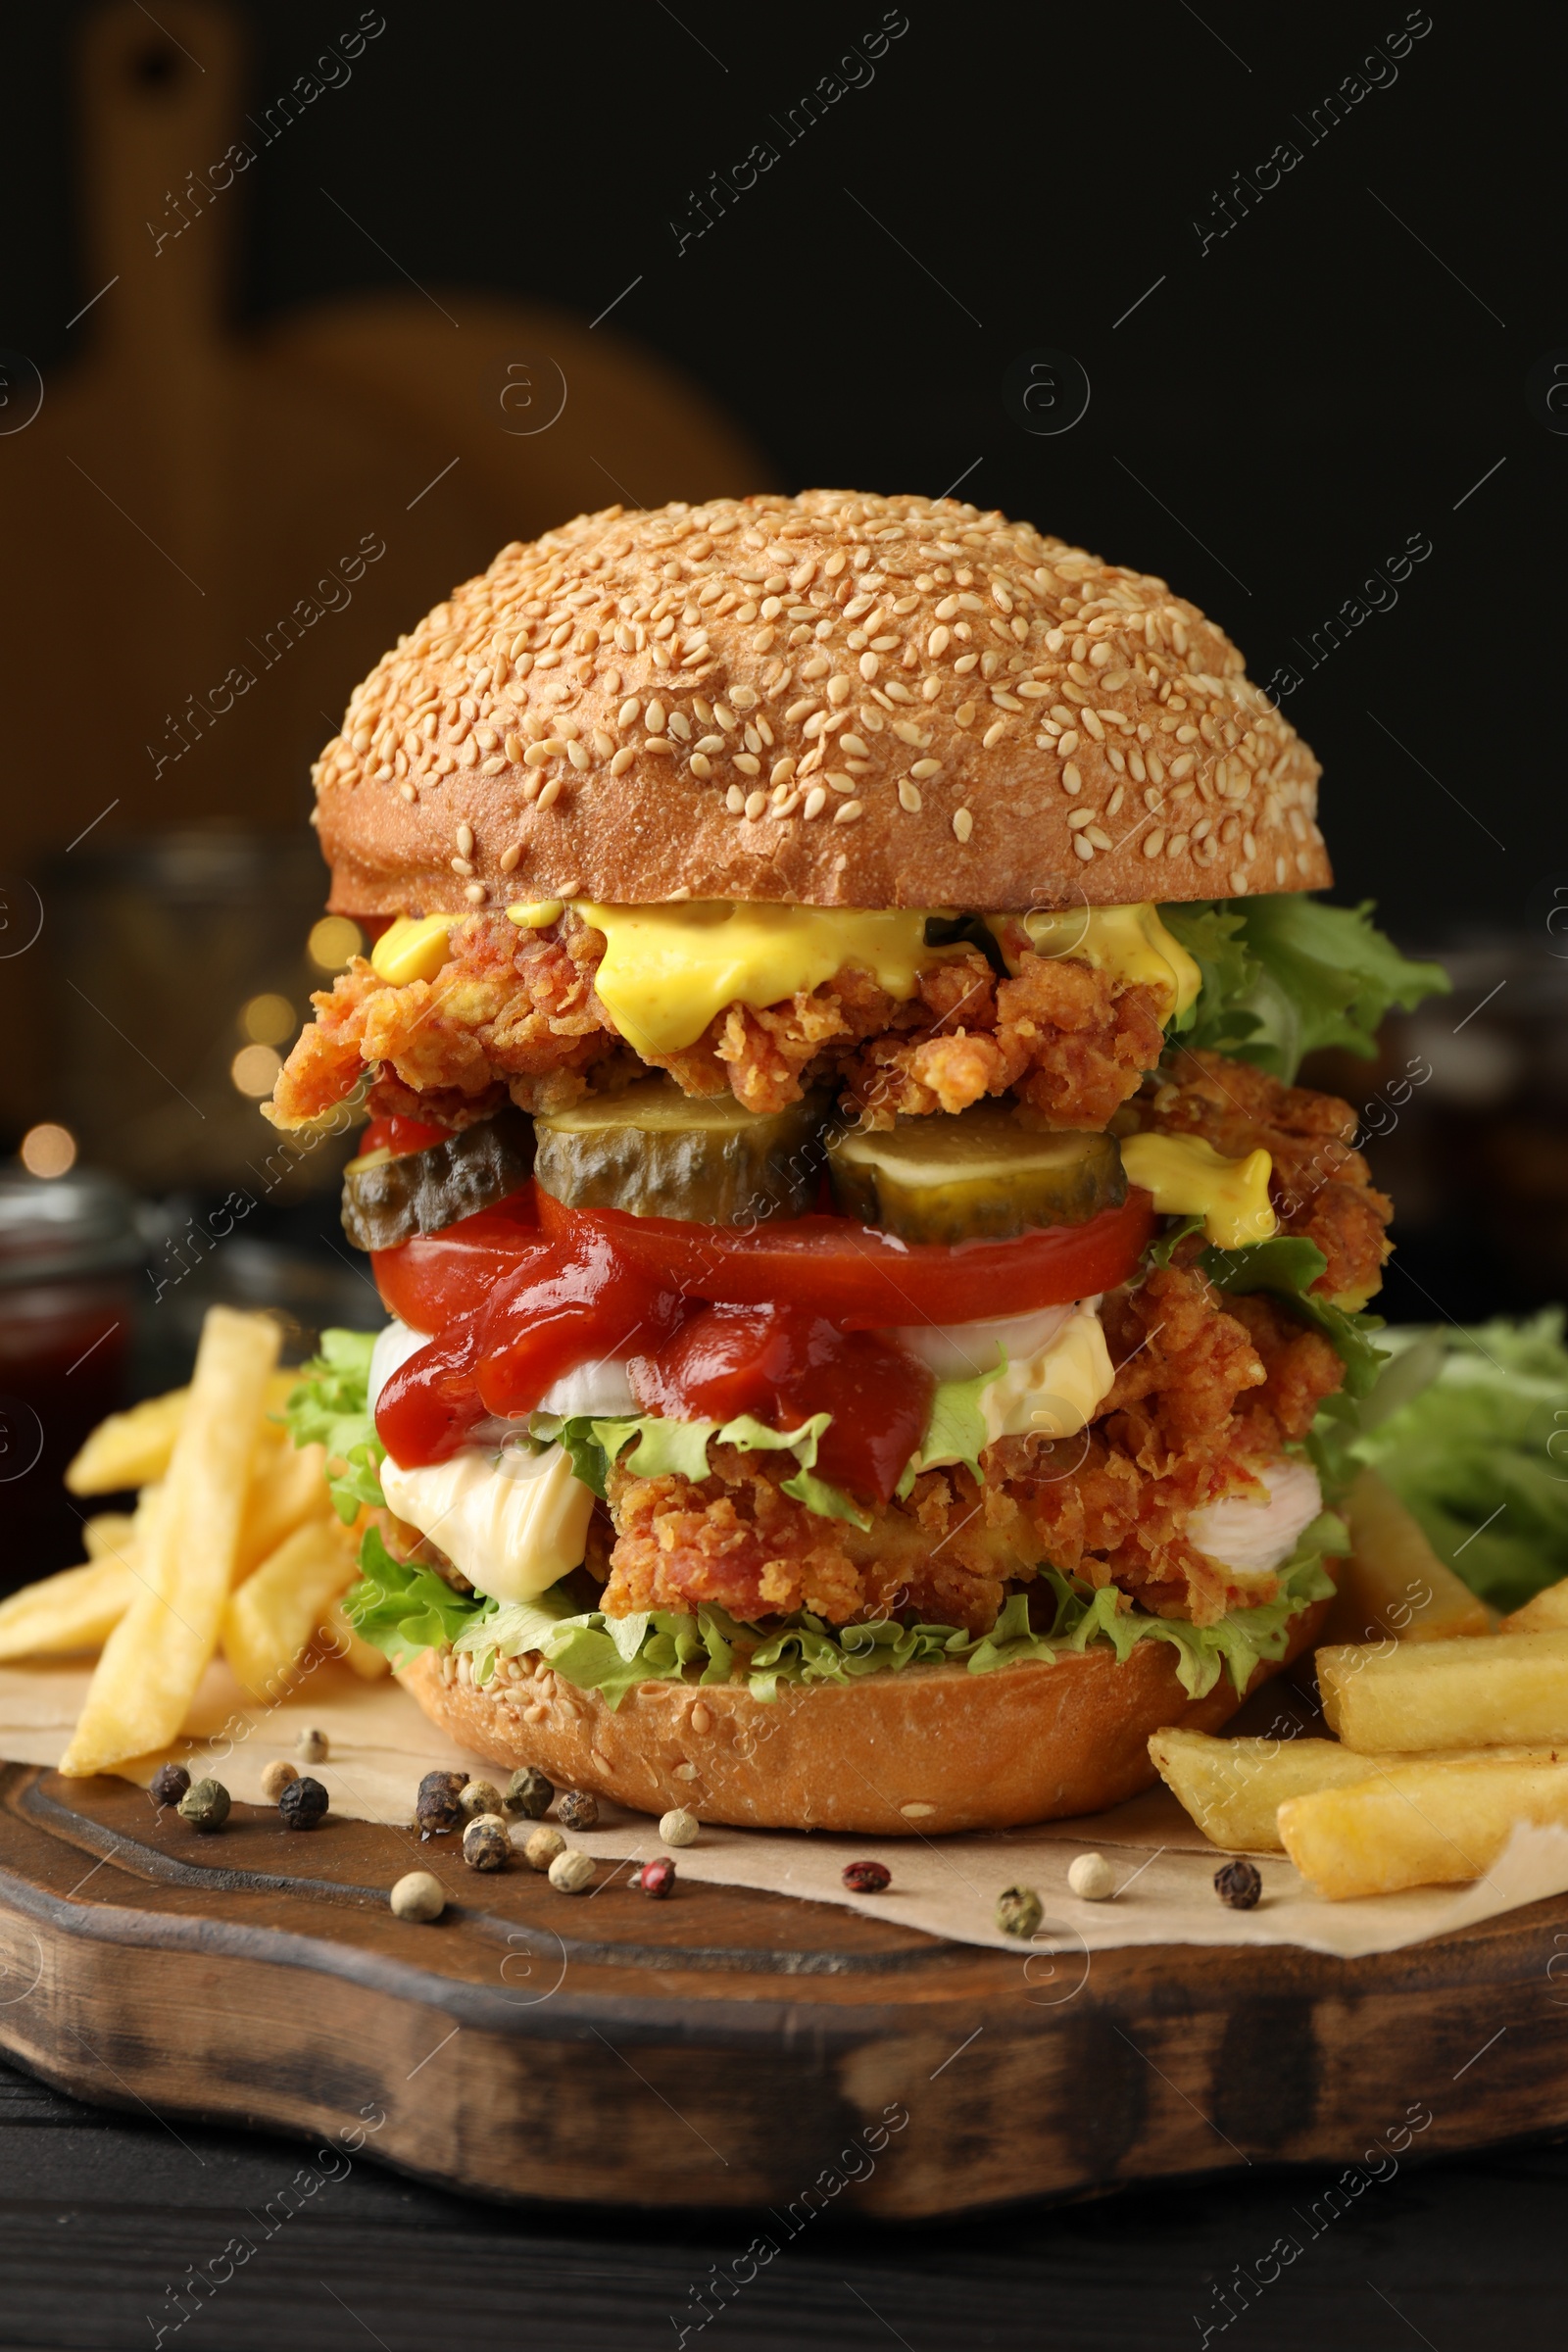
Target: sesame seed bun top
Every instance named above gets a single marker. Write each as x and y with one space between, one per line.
838 700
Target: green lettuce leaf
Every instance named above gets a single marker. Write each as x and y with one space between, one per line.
1285 974
955 1425
1481 1455
601 1653
1288 1266
404 1609
329 1408
680 1450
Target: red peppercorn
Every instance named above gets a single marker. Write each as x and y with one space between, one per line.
657 1877
867 1878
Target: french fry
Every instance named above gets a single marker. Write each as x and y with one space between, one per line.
271 1617
367 1661
108 1533
288 1487
1546 1613
1418 1825
155 1657
77 1609
133 1449
1233 1789
1508 1691
1393 1582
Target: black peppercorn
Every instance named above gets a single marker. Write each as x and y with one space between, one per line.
577 1809
168 1784
867 1878
439 1807
657 1877
303 1804
529 1792
1239 1884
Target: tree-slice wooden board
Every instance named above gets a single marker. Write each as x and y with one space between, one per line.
724 2047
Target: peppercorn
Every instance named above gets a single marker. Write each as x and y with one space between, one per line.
867 1878
205 1806
439 1807
1092 1876
571 1872
485 1844
312 1748
656 1877
577 1809
476 1797
680 1828
417 1895
168 1784
1019 1911
1237 1884
277 1777
529 1792
544 1846
303 1804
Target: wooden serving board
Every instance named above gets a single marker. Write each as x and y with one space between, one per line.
724 2048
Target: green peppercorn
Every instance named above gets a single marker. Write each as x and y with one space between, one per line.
486 1842
205 1806
529 1792
476 1797
1019 1911
303 1804
168 1784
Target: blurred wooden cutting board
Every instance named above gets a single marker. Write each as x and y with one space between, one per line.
190 494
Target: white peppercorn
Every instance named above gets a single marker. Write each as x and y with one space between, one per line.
544 1846
478 1797
312 1748
572 1873
417 1895
276 1777
678 1827
1092 1876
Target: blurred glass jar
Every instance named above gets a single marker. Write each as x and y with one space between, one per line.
181 966
69 1252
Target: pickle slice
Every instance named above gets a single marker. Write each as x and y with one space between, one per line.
387 1201
658 1152
977 1176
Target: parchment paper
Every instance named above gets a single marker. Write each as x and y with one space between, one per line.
382 1743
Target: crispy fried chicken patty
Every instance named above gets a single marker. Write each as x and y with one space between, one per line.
516 1010
1205 1394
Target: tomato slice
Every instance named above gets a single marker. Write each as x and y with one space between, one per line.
862 1279
433 1278
401 1135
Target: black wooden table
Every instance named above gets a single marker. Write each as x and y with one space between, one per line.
103 2219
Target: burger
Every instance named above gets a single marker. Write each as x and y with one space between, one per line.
869 1304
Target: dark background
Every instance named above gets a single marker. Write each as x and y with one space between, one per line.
1272 416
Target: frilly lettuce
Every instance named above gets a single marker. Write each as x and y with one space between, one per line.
1285 973
329 1408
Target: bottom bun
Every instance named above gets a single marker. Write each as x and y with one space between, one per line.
920 1752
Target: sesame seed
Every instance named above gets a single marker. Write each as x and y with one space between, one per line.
475 894
1071 780
1085 849
993 735
756 803
839 687
926 768
748 764
847 812
764 640
909 795
1099 836
654 718
409 791
465 840
783 769
725 717
551 793
1239 881
623 761
1154 842
702 766
604 744
870 665
660 745
734 800
510 858
815 801
853 748
459 865
962 823
838 779
1176 847
965 715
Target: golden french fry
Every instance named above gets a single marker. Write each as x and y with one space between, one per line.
109 1533
287 1490
274 1614
77 1609
155 1657
1508 1691
352 1647
132 1449
128 1450
1546 1613
1393 1582
1233 1789
1418 1825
